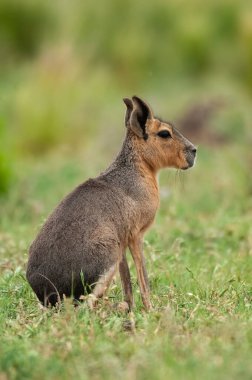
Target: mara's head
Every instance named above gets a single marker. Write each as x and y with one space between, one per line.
159 143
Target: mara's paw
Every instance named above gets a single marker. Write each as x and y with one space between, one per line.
92 301
122 307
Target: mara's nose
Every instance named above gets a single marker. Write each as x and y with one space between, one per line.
190 155
193 150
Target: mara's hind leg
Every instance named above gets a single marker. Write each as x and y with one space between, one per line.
126 281
102 285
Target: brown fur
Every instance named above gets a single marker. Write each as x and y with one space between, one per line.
84 240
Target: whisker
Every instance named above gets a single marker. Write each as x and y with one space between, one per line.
181 177
176 177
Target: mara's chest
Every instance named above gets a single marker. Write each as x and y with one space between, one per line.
148 212
146 207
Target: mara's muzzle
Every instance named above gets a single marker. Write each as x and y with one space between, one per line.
190 154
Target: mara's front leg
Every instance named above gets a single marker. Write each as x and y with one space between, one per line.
136 249
126 281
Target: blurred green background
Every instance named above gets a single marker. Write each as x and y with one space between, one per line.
65 66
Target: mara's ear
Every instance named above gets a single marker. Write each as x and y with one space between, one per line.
141 113
129 105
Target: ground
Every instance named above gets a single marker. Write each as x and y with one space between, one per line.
199 259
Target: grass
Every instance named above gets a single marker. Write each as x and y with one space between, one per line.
199 258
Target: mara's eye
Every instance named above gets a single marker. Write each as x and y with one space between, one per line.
164 134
